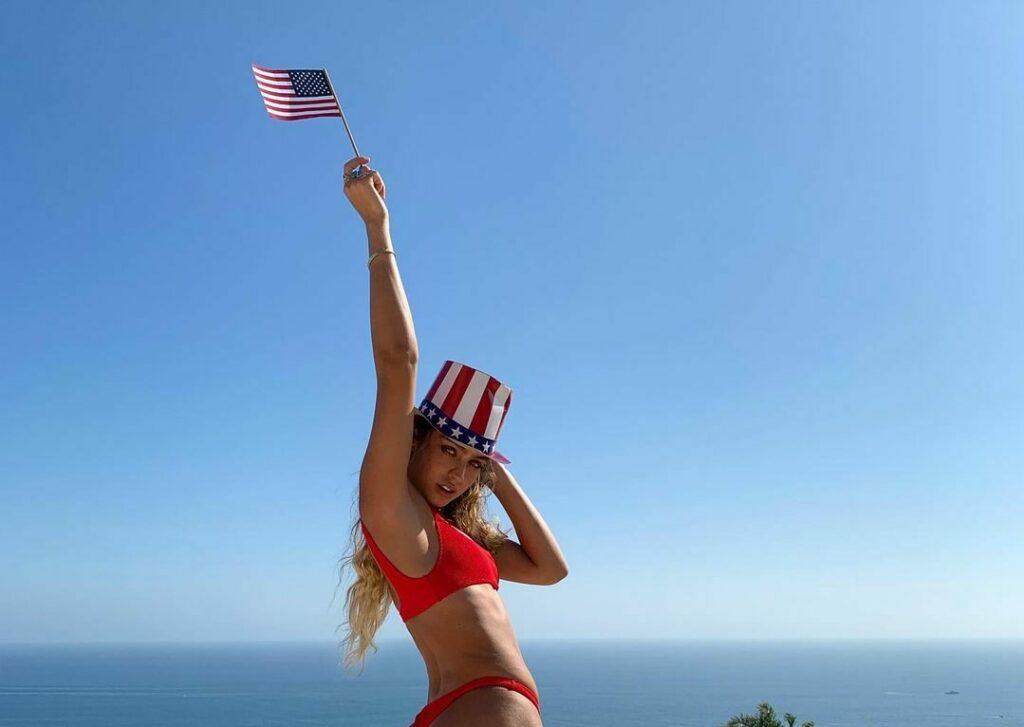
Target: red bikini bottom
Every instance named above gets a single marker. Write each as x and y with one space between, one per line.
431 712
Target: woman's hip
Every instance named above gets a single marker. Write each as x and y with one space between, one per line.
492 704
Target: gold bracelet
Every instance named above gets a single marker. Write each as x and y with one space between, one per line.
379 252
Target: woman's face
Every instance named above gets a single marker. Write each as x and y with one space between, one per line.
441 462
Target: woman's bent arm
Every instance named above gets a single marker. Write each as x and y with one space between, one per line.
535 538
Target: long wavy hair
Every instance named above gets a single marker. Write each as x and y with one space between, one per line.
368 599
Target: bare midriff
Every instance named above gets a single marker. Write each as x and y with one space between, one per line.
467 635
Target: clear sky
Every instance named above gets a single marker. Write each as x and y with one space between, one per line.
753 272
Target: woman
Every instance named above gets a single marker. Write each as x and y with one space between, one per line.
427 546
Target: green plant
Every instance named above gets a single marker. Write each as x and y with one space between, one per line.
765 717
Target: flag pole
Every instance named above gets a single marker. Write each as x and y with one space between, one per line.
343 120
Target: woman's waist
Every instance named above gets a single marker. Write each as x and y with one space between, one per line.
470 623
456 675
471 652
466 636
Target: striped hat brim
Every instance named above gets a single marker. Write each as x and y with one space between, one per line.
493 454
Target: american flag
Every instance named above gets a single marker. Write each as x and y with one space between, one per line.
293 95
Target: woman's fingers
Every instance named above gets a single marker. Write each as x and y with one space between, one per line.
373 177
378 183
367 173
355 162
366 192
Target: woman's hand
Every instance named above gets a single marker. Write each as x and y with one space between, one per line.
366 193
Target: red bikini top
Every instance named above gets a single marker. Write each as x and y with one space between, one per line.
461 562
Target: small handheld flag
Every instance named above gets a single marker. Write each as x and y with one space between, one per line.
297 94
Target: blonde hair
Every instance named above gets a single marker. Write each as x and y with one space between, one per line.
368 599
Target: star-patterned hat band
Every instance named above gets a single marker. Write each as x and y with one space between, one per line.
469 406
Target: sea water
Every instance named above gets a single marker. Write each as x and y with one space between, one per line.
591 684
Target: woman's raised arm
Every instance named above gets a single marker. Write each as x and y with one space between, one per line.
383 484
391 328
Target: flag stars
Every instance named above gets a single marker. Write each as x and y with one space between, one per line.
310 83
456 432
296 94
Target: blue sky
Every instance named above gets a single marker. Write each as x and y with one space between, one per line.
752 271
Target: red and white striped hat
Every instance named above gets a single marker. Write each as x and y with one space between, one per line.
469 406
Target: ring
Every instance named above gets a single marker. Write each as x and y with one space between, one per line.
354 174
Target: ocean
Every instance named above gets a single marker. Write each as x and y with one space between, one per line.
582 684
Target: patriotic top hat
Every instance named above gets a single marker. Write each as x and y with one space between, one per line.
469 406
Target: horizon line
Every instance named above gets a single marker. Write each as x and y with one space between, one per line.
541 640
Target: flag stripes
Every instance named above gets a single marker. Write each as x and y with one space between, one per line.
293 95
